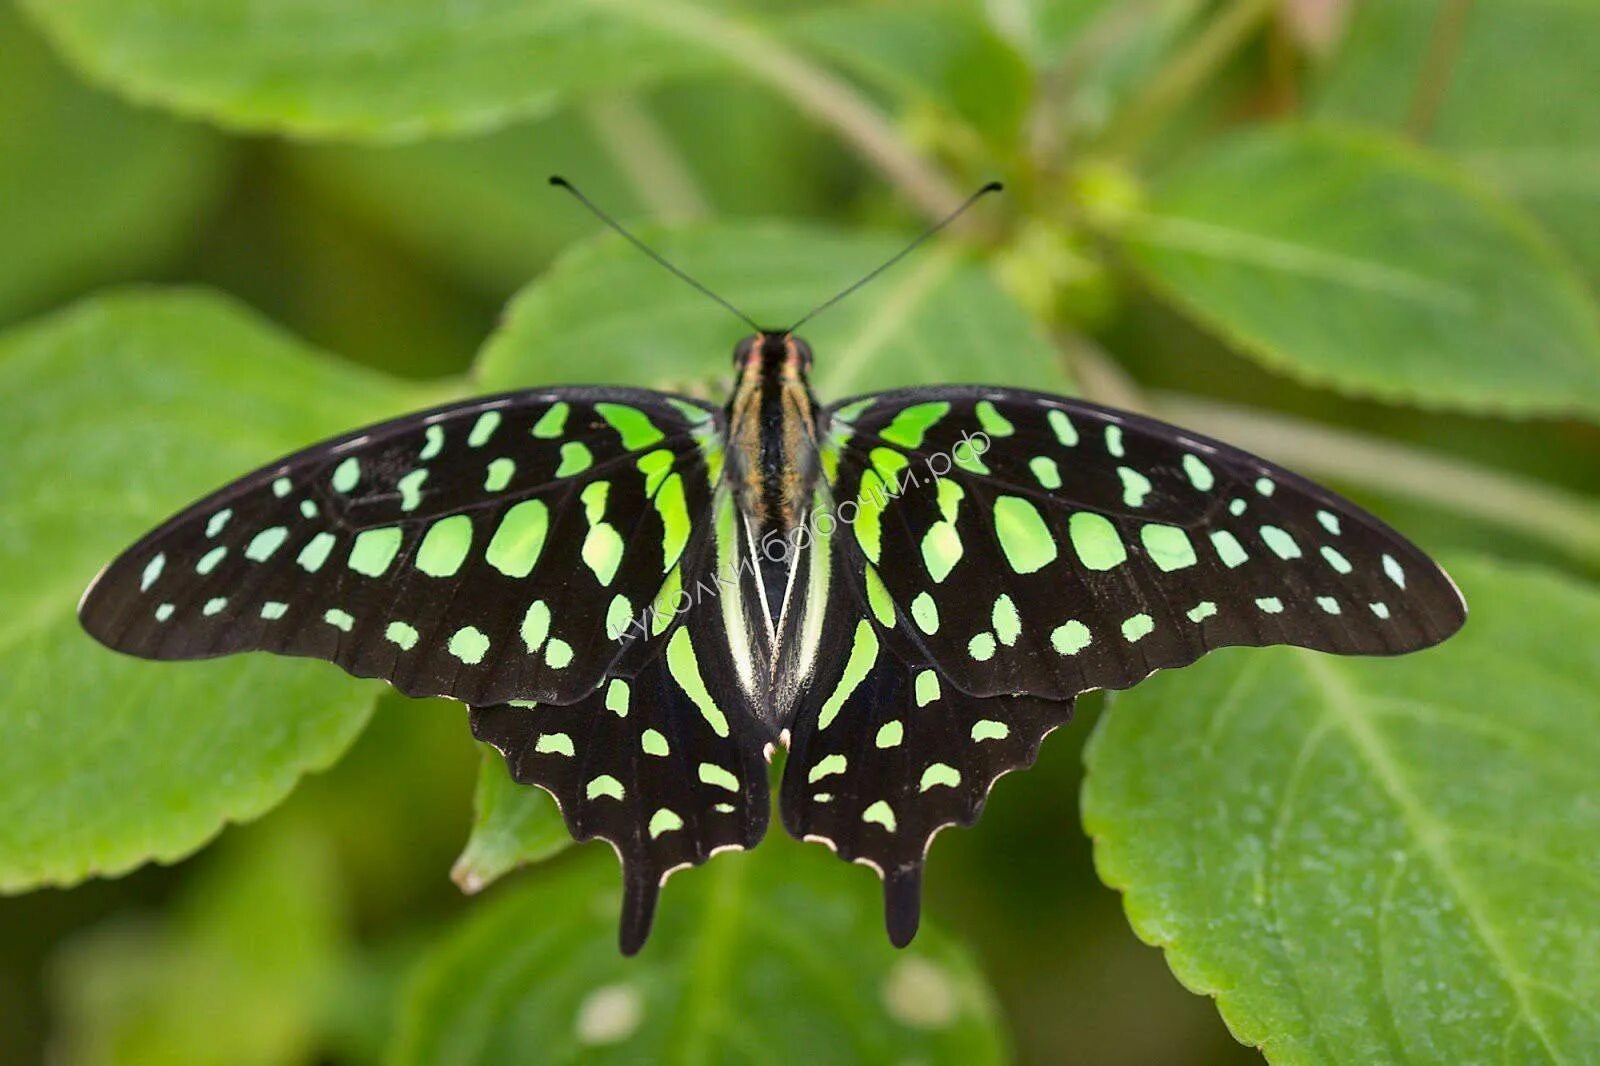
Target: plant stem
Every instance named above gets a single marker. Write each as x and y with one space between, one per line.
1565 520
817 92
1433 82
640 148
1185 72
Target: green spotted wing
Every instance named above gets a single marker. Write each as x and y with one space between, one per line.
990 554
525 554
667 760
485 551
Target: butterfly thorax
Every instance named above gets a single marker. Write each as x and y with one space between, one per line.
772 433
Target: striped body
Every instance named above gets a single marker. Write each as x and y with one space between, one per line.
773 457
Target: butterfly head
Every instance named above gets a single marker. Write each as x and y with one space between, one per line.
772 354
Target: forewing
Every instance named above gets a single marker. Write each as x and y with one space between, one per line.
1046 546
665 759
481 550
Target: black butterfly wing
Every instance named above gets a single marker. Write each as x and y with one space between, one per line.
666 758
487 550
1049 546
884 750
995 553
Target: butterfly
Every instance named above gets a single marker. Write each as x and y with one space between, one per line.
640 596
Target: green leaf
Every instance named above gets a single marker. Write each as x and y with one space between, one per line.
136 405
934 54
767 956
253 943
383 69
606 314
1351 261
512 825
1375 860
1529 124
481 205
90 189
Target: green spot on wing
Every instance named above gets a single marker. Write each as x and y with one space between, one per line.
632 424
265 543
664 821
410 487
712 774
1229 550
880 813
1006 621
878 599
575 458
619 617
684 666
347 474
1070 637
498 475
1024 537
315 553
402 634
555 744
602 552
557 654
552 423
374 550
1065 431
863 653
992 421
1096 540
519 539
483 429
1199 473
433 443
444 547
469 645
535 625
1135 486
826 767
604 785
911 424
1168 547
989 729
1281 543
1138 627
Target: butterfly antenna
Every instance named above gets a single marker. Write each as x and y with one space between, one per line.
993 186
559 181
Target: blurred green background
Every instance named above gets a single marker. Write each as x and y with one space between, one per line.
1361 239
